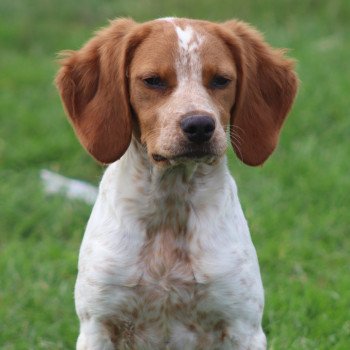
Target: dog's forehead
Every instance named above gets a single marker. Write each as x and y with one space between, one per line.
179 40
189 35
185 34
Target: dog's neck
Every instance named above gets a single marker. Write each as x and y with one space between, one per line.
163 196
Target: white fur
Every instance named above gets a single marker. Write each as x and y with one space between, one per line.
188 64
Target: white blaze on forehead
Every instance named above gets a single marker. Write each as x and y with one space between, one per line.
185 36
188 63
189 70
189 44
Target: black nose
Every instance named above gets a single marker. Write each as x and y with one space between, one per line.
198 128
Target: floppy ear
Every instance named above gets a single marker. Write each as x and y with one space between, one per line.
266 88
93 88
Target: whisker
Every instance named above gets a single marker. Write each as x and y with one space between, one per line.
239 128
235 136
238 149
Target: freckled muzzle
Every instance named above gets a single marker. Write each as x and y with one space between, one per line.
197 141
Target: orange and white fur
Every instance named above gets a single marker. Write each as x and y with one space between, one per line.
167 261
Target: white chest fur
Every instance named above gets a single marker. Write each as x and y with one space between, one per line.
167 259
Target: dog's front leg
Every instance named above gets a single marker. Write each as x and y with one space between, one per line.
94 335
245 339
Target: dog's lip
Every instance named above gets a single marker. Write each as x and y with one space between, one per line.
196 154
158 158
190 154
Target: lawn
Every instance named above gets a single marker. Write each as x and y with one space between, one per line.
298 204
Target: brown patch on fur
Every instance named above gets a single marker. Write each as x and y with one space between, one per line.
164 256
202 316
224 335
217 61
113 331
161 42
203 342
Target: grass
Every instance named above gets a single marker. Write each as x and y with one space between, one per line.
297 204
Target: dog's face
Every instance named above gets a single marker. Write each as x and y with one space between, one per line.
182 87
178 85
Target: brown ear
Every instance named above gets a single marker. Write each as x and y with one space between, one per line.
93 89
266 88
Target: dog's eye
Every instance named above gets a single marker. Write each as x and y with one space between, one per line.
219 82
155 82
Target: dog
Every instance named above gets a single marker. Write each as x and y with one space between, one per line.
167 260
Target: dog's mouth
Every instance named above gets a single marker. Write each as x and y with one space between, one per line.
202 155
158 158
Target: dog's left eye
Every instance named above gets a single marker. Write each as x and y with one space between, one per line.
219 82
155 82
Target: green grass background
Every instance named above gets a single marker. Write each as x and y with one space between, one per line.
297 204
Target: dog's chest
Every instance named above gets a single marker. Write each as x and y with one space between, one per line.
152 279
166 305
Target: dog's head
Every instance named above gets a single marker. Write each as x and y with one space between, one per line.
178 85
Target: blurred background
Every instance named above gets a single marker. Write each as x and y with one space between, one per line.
297 204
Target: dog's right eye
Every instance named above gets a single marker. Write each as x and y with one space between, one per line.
219 82
155 82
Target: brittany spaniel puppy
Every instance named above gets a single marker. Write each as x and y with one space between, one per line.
167 261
